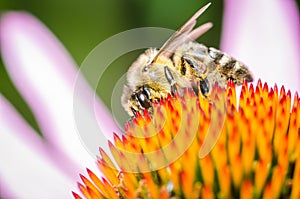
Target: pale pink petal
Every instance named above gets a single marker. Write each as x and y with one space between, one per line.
44 73
265 35
10 119
27 169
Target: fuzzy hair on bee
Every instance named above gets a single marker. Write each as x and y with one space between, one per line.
180 63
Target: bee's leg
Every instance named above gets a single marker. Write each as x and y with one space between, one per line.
146 91
133 111
189 61
198 67
204 87
171 80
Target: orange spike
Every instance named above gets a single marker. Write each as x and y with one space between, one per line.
224 181
276 90
106 158
268 192
261 173
89 185
186 183
93 194
147 117
164 194
75 195
283 159
245 89
265 87
151 186
97 183
234 141
277 180
251 90
296 180
293 134
269 123
248 153
84 191
174 170
219 153
130 182
245 84
118 141
264 146
109 172
231 96
236 171
110 190
258 88
246 191
207 169
207 192
282 92
259 84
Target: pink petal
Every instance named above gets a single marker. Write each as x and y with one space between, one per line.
12 121
265 35
27 169
44 73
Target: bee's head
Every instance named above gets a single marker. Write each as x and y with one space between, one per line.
144 74
134 97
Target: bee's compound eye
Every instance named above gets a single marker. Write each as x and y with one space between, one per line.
143 100
204 86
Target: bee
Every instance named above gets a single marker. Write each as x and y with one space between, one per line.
180 63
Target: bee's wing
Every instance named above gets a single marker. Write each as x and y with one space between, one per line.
184 34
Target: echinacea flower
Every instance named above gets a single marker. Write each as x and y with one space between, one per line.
36 167
256 156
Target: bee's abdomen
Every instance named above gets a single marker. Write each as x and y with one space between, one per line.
230 67
222 59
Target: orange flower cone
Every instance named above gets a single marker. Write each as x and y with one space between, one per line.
256 155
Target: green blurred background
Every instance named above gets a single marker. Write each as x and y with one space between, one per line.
82 24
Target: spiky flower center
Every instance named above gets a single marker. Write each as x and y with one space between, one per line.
255 153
